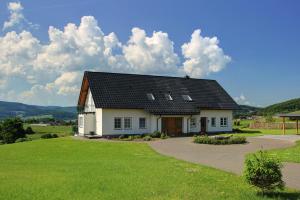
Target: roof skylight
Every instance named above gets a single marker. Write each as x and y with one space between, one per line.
168 97
187 97
150 96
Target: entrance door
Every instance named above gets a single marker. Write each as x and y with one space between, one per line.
203 124
172 126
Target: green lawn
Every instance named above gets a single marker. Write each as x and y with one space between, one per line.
290 154
65 168
40 130
247 132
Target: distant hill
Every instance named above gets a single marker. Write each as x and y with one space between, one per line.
289 106
245 111
12 109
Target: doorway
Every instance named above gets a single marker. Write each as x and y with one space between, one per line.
172 126
203 122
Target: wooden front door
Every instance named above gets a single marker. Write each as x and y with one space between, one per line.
172 126
203 124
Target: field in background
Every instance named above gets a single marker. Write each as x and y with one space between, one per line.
65 168
61 131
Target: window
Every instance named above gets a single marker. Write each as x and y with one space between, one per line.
80 121
213 122
193 123
150 96
127 123
168 97
118 123
223 122
187 98
142 123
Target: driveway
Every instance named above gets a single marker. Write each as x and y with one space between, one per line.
228 157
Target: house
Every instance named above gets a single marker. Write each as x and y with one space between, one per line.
112 104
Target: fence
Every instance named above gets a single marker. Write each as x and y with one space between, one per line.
272 125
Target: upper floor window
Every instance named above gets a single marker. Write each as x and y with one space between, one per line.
168 97
223 121
142 123
118 123
187 97
213 122
127 123
150 96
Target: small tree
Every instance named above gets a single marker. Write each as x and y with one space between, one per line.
264 172
29 130
12 129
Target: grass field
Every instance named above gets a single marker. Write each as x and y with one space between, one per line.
61 131
291 154
65 168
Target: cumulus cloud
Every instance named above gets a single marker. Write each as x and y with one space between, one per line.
242 100
17 18
51 72
203 55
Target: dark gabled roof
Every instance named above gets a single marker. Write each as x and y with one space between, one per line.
115 90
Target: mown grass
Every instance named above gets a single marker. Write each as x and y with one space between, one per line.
61 131
290 154
64 168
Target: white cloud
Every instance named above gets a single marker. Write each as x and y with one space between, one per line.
17 18
242 100
203 55
51 73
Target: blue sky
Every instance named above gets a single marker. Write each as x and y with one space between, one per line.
261 38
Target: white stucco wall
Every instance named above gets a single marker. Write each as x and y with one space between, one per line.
108 116
217 114
89 124
89 103
81 128
98 115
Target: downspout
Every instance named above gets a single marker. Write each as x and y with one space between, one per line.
188 125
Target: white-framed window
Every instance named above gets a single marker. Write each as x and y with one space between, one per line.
127 123
187 97
168 97
213 122
223 121
80 121
118 123
193 123
142 123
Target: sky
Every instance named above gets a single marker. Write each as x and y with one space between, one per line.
250 47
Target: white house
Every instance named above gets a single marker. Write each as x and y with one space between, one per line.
112 104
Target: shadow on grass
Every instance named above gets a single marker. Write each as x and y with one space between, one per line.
245 131
281 195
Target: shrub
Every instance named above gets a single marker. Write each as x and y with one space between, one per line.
156 134
122 136
164 136
49 136
74 129
22 140
137 136
220 140
29 130
263 171
147 138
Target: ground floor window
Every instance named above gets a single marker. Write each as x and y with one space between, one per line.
193 123
213 122
142 123
118 123
127 123
223 121
80 121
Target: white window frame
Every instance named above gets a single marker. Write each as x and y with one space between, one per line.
193 124
150 96
187 97
140 123
80 121
119 118
223 122
213 119
130 120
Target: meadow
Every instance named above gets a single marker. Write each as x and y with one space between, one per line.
61 131
65 168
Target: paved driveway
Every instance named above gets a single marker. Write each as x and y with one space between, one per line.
227 157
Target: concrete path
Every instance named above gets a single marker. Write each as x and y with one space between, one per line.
227 157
